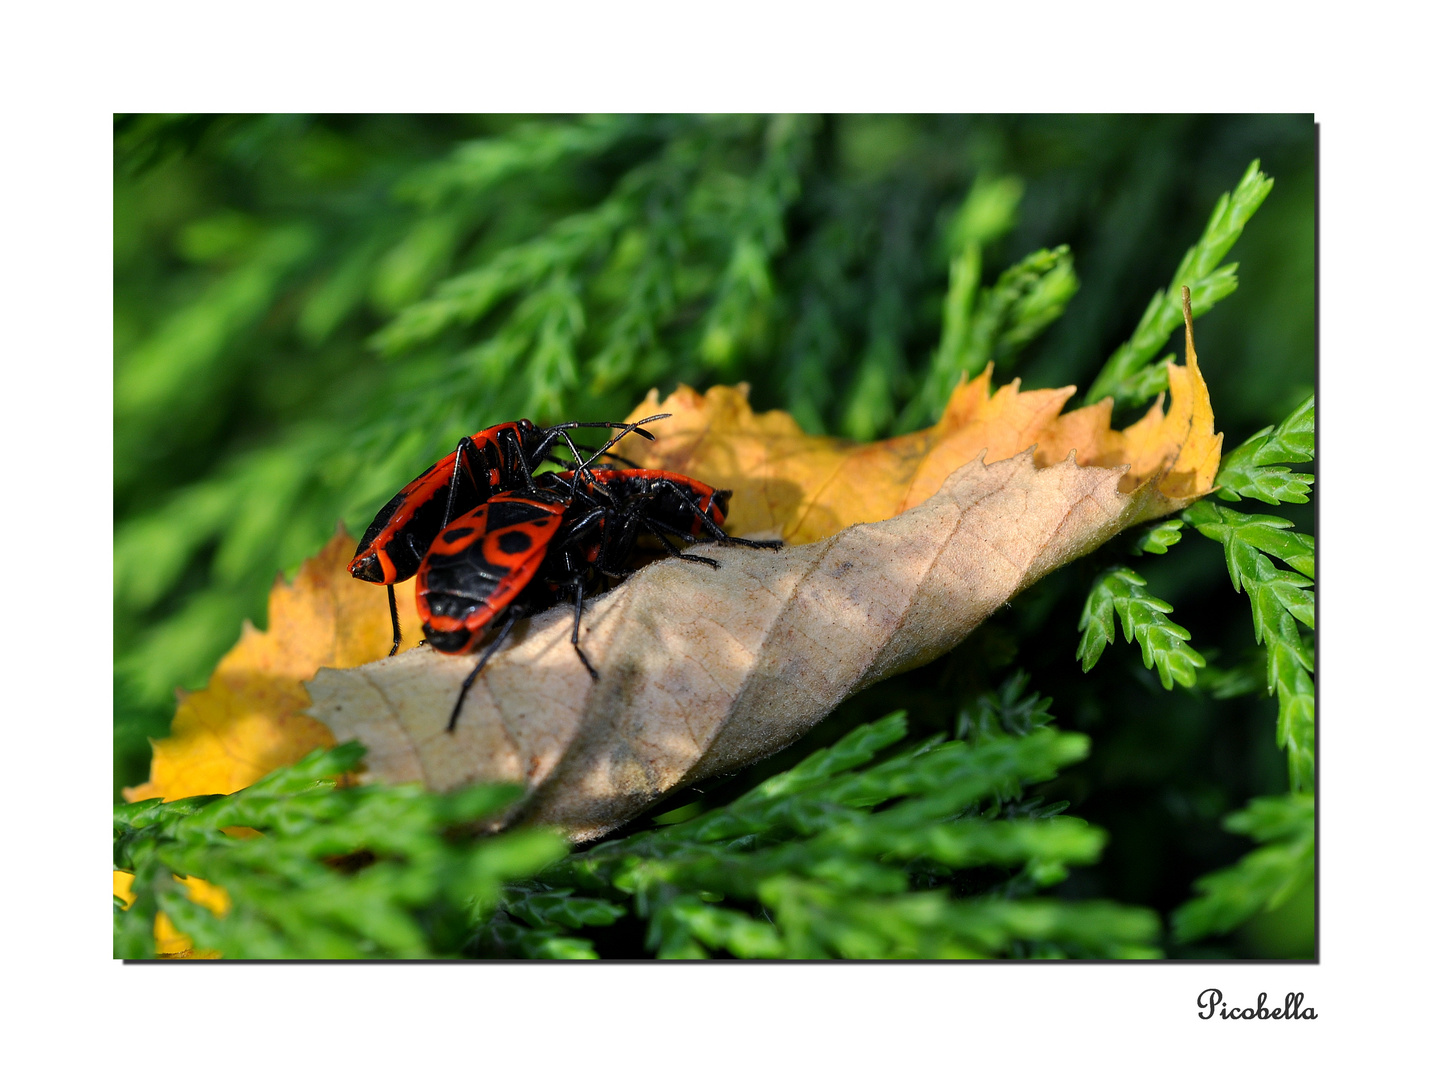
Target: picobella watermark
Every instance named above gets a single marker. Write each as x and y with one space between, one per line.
1211 1003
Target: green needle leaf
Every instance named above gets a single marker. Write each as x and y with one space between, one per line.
1120 591
1280 599
1251 471
1124 376
1264 879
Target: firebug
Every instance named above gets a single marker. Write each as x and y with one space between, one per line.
497 459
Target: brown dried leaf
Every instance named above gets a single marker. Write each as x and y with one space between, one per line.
706 670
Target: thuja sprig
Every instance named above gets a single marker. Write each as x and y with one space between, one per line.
322 870
837 856
1284 825
1157 538
1253 470
1121 591
1008 710
465 298
1280 599
745 288
982 325
1128 376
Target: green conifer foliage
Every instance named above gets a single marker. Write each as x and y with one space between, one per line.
873 848
337 872
310 309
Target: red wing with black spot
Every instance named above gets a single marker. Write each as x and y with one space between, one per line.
478 566
491 460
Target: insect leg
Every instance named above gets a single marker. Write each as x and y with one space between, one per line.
394 615
508 622
709 524
545 451
578 615
672 549
582 527
465 446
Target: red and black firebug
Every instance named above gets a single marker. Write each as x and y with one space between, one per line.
523 552
497 459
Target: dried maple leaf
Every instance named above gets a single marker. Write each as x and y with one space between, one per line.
250 719
900 549
805 488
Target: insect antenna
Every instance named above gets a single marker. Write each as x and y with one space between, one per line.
560 431
584 467
607 454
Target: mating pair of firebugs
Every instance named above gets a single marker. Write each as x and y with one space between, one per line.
492 543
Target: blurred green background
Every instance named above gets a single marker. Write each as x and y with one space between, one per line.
310 309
